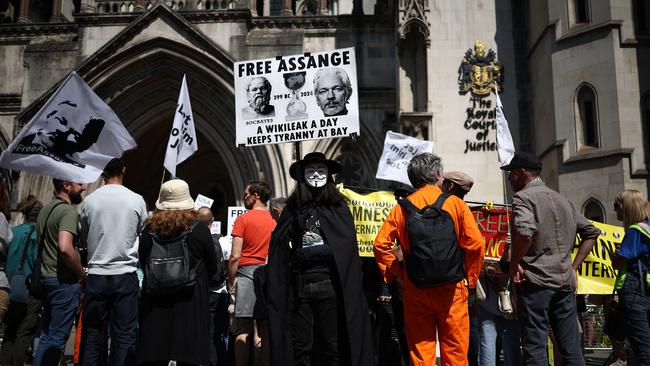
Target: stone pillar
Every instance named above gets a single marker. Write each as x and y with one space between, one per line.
286 7
88 6
56 12
23 12
322 7
139 5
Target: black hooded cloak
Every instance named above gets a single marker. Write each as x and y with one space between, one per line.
337 226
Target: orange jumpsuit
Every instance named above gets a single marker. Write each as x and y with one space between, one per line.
442 308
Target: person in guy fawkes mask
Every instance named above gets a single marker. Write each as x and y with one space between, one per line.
317 312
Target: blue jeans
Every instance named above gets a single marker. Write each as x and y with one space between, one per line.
60 303
635 299
493 326
110 299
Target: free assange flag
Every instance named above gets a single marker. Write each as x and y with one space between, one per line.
182 139
505 147
71 138
398 151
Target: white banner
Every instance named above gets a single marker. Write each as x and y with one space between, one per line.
71 138
182 138
505 146
216 227
296 98
398 151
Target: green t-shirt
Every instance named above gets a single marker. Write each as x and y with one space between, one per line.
64 217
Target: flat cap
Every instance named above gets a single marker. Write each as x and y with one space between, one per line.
460 179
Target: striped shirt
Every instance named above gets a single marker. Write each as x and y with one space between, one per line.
552 222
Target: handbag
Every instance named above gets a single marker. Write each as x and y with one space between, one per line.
18 280
34 286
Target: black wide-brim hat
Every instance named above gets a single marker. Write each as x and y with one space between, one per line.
523 160
333 167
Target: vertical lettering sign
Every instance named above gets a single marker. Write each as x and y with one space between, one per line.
296 98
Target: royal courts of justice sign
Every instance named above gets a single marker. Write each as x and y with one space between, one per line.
295 98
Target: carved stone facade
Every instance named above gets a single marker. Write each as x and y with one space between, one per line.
133 53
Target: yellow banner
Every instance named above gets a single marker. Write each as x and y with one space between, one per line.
369 212
596 275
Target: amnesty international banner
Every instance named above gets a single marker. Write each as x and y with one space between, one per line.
369 212
295 98
595 276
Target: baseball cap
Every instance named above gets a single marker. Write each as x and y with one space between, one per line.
523 160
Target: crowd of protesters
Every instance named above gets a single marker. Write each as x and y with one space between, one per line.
290 289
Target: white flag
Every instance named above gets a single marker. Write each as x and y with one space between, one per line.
505 147
398 151
182 139
71 138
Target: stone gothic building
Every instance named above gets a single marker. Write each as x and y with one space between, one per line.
570 74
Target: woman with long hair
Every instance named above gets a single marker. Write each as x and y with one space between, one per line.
318 314
22 317
633 284
174 307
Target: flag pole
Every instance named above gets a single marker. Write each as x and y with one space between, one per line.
162 180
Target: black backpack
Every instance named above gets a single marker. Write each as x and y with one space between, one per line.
435 258
220 275
169 268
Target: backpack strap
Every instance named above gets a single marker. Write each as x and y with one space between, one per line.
41 240
26 248
408 205
441 200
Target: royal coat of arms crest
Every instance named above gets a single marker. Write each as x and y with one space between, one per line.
479 72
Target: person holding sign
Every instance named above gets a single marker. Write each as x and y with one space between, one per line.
633 284
317 309
258 94
333 89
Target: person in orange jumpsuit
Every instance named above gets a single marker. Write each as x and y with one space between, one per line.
442 308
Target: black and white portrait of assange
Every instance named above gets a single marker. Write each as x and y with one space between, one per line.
333 89
258 95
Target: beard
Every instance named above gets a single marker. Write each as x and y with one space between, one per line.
259 102
75 197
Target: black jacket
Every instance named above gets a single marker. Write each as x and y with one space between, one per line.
337 226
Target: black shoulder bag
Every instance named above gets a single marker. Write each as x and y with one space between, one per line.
35 287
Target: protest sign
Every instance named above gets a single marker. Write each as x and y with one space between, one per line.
296 98
398 151
216 227
369 212
233 214
596 275
202 201
71 138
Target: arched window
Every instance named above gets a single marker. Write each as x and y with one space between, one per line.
581 11
593 210
586 110
645 121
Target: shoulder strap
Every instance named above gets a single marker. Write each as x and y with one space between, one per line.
44 230
26 248
408 205
441 200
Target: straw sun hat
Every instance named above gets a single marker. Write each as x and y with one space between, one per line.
174 195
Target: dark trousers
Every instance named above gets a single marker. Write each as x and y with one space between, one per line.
315 321
218 328
474 335
635 299
538 306
112 299
21 320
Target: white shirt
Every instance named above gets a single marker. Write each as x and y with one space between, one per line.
112 217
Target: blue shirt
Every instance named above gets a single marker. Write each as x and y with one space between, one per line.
16 247
634 245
